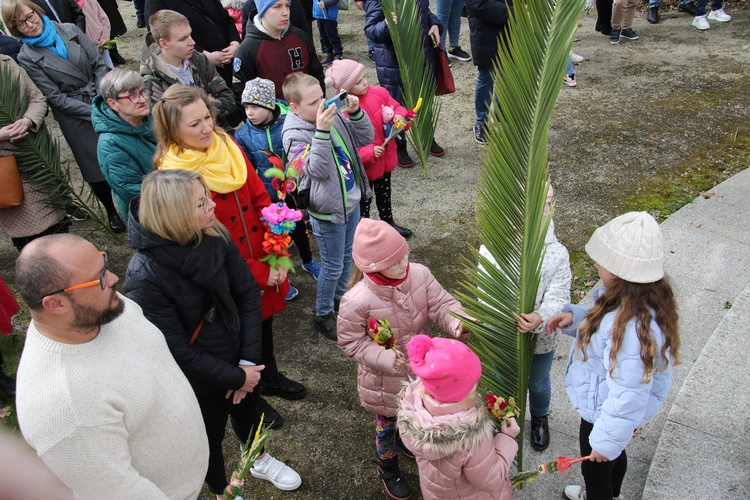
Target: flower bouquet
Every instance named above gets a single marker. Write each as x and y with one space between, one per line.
381 332
280 218
500 408
560 465
401 125
250 452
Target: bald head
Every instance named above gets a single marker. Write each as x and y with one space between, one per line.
44 266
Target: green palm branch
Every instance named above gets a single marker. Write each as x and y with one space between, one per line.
38 155
513 188
417 78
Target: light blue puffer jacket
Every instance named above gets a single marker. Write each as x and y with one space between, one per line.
619 404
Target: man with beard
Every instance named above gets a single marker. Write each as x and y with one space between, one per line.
99 396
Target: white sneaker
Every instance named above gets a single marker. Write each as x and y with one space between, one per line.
574 492
570 80
720 15
276 472
701 23
576 58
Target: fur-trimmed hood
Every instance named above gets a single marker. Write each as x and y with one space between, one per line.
445 429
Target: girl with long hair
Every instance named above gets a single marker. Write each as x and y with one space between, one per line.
620 366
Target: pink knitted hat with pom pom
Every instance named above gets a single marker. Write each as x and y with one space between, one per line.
448 368
344 74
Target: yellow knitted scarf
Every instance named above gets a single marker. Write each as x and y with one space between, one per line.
222 165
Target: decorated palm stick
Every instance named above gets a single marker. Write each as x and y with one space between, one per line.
560 465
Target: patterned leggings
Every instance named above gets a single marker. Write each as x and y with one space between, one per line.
385 437
382 188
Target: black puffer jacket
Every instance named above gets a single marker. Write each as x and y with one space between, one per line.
385 55
487 19
175 304
67 11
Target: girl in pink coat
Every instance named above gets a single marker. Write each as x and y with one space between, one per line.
379 161
386 285
451 434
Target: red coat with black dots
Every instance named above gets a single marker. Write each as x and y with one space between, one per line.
244 206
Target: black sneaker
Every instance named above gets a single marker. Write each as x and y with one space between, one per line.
271 418
688 8
326 325
404 160
629 34
436 150
328 59
457 53
614 37
479 134
76 212
371 56
395 486
116 224
141 23
282 386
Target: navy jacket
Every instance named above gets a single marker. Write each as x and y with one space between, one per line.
9 46
385 55
487 20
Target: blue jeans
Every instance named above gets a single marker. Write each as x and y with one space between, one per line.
335 246
449 14
483 92
370 45
700 7
570 70
657 3
540 385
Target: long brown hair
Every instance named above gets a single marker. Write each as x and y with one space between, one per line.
635 300
356 276
167 113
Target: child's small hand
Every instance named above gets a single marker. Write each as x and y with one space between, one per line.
529 322
322 5
510 427
459 331
596 457
377 151
352 104
399 364
559 321
395 18
324 120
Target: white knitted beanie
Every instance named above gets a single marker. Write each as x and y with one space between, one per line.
630 247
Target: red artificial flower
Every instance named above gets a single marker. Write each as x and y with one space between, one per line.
491 400
503 405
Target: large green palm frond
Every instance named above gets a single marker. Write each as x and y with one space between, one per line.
417 78
513 188
38 155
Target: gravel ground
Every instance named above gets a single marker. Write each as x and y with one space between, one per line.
661 107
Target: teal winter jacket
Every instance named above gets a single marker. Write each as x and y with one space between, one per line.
125 152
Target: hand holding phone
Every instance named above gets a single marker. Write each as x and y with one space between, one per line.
339 100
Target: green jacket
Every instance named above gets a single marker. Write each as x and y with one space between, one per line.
157 77
125 152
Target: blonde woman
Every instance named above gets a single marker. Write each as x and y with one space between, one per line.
192 283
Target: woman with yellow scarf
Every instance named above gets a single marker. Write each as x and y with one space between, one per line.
188 138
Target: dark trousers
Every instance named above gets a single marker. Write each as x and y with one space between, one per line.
382 189
266 354
604 16
299 235
603 479
215 408
330 41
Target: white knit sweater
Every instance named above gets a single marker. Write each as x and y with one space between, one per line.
115 417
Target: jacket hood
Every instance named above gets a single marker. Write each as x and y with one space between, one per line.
139 237
451 429
265 34
235 4
152 60
550 237
105 120
294 122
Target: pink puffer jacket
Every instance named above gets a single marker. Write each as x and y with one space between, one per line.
457 455
408 307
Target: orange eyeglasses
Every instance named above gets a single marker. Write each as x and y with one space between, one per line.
99 282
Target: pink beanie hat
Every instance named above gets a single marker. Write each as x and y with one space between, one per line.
377 246
344 74
448 368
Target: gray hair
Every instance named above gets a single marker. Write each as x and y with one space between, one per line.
38 272
119 80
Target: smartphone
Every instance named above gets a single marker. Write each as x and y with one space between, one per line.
339 100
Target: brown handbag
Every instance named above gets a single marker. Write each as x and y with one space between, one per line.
11 189
443 75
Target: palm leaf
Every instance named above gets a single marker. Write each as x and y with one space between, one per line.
514 182
38 155
417 78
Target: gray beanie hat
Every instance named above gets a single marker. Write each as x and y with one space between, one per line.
260 92
630 247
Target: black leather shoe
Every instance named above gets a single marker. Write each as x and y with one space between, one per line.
436 150
116 224
326 325
271 418
141 23
653 15
117 59
539 433
395 486
688 8
7 385
406 233
404 160
282 387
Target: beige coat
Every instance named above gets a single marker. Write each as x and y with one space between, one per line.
409 307
32 216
